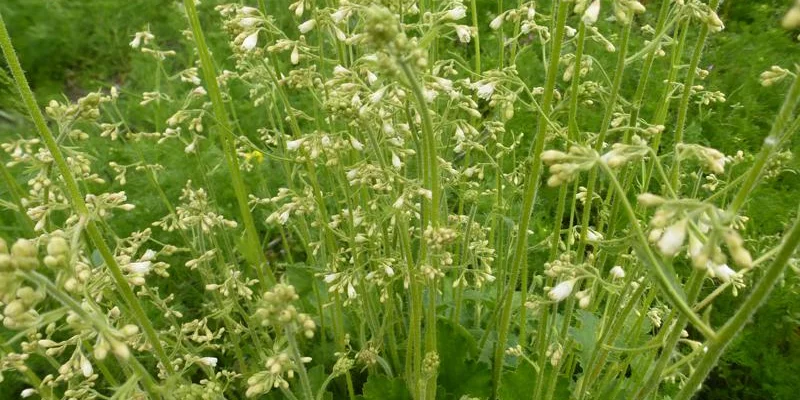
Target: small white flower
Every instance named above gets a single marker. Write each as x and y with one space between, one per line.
593 235
376 97
561 291
307 26
250 42
248 22
485 90
617 272
208 361
356 144
497 22
141 267
464 33
86 367
592 13
339 70
396 162
135 43
723 272
339 15
673 238
27 393
351 291
149 255
293 145
456 13
329 278
295 56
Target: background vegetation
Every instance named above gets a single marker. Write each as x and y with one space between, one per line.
69 48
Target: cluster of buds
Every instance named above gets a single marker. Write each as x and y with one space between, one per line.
438 238
430 364
279 368
775 73
621 154
703 13
278 311
712 159
564 167
19 300
625 9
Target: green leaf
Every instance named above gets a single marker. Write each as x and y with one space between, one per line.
380 387
459 371
518 384
585 335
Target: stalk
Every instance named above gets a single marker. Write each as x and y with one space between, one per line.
683 109
253 253
76 199
531 190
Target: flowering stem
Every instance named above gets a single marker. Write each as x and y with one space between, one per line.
76 199
477 39
102 328
734 325
308 394
650 259
252 251
683 109
529 198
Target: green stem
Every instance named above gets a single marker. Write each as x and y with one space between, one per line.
76 199
529 199
683 109
252 250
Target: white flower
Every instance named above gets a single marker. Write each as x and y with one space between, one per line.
149 255
396 161
376 97
248 10
27 393
329 278
356 144
456 13
617 272
295 56
86 367
141 267
293 145
497 22
208 361
722 271
591 13
136 42
248 22
307 26
464 33
485 90
339 15
673 238
339 70
561 291
593 235
351 291
250 42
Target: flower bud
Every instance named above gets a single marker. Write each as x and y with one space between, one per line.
561 291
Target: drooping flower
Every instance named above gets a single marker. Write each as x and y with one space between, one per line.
592 13
561 291
672 239
249 43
